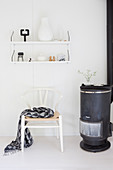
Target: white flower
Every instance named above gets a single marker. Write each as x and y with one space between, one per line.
87 75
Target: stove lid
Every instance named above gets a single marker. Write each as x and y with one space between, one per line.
95 88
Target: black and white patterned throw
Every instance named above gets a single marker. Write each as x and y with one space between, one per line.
40 112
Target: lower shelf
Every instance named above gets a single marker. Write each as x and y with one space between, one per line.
41 62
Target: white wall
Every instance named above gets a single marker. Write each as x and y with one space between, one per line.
86 20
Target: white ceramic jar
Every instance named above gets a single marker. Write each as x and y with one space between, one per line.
44 32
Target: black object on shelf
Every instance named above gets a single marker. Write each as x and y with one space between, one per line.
95 126
20 56
25 33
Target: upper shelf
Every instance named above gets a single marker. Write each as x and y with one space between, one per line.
54 42
40 42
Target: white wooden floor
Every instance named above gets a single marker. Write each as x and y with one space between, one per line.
45 154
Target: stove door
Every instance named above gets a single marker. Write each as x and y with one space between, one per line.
91 129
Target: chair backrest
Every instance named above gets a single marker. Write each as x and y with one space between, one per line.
42 97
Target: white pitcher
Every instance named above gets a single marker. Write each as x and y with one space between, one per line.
44 32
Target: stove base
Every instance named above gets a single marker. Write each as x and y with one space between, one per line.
98 148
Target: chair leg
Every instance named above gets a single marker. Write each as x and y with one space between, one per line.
22 133
61 132
57 130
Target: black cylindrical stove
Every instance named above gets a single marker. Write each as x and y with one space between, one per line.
95 126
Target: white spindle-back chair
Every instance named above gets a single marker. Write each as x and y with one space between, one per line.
43 97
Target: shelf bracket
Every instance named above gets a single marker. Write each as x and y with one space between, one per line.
68 35
12 55
11 38
68 54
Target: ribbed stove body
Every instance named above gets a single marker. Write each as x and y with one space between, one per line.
95 126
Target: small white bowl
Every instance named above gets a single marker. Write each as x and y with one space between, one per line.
42 58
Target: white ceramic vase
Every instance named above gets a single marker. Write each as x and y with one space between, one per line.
44 32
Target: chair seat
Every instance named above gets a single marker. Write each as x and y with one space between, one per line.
54 118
